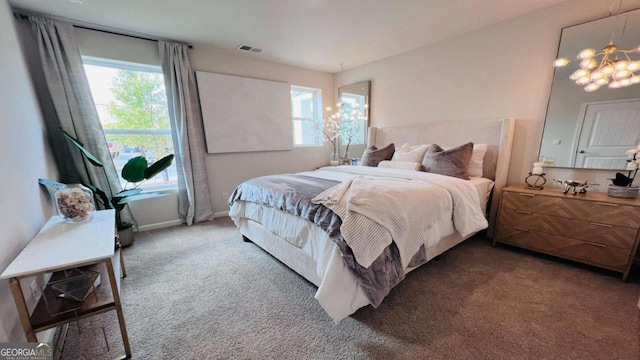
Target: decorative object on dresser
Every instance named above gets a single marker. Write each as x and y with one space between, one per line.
536 180
622 185
574 187
597 230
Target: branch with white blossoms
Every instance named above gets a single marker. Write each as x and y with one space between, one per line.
344 123
331 132
633 159
349 119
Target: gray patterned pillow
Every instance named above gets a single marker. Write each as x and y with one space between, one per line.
452 162
372 156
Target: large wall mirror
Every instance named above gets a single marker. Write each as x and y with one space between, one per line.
355 97
592 129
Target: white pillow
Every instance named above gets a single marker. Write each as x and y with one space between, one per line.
477 160
409 153
404 165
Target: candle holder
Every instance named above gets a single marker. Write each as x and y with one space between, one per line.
535 181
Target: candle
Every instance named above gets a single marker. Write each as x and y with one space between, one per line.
537 169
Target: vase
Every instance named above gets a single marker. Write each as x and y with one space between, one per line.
126 236
625 192
335 158
74 203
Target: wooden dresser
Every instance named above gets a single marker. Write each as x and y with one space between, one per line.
590 228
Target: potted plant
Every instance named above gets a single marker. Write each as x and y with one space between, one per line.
135 171
621 186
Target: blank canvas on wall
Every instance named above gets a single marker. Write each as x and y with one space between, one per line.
243 114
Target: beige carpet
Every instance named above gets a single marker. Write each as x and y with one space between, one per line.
201 293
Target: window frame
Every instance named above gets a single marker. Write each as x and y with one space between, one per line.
126 65
317 121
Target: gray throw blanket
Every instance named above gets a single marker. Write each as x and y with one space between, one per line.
293 193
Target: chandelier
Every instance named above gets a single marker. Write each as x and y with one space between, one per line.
610 66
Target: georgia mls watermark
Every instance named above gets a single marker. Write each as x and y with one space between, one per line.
26 351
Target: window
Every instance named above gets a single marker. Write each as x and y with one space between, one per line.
306 111
132 106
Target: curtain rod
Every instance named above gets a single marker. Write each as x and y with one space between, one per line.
122 34
24 16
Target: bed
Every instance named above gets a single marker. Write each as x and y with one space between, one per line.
307 243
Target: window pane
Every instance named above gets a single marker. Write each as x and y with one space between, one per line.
132 107
307 121
302 104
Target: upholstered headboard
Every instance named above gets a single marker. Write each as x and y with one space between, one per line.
497 134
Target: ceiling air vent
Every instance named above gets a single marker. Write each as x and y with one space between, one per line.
249 48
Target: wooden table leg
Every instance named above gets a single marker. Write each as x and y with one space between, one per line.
118 305
123 270
23 312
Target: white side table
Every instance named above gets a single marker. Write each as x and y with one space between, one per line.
60 246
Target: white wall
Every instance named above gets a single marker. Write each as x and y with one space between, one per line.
24 205
501 71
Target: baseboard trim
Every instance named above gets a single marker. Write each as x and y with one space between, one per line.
159 225
220 214
175 222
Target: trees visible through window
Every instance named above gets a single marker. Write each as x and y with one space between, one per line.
306 111
132 106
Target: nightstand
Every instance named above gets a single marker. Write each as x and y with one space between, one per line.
62 246
590 228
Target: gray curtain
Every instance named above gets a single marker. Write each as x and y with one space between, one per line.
194 202
74 109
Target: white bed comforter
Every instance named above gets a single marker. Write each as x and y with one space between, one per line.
379 206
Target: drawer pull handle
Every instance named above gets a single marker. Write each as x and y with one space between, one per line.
525 194
521 229
607 204
523 212
599 224
595 244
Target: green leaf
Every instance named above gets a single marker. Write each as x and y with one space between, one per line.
134 169
54 184
92 159
115 202
101 195
124 200
129 192
158 166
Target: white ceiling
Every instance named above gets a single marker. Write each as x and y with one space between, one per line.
315 34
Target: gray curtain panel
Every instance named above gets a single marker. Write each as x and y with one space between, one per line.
194 202
75 111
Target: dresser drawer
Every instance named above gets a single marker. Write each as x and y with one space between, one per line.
594 211
583 251
618 236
